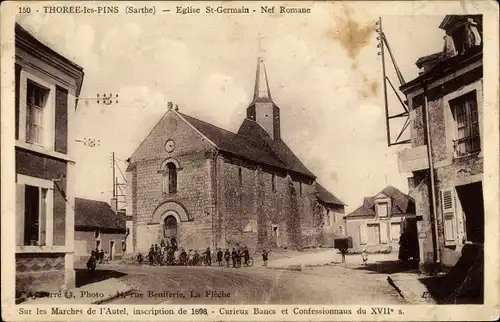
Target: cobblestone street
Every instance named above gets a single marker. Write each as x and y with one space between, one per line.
257 285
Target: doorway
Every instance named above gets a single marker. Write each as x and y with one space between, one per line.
111 249
170 227
471 199
275 235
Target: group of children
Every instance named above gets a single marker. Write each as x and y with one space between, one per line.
100 255
97 256
169 254
165 254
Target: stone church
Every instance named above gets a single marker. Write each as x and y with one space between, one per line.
211 187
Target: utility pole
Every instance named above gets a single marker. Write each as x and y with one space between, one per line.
114 177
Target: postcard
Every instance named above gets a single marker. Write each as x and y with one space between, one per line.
250 160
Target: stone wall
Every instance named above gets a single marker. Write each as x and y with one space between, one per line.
194 157
39 272
259 215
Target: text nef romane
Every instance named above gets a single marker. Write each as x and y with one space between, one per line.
284 9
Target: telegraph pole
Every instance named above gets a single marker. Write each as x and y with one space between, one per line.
114 177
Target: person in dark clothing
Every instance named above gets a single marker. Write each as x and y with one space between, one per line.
227 256
246 255
183 257
208 257
173 243
264 257
219 256
151 255
233 256
91 263
101 256
238 258
196 257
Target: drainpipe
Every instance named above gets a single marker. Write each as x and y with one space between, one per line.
437 254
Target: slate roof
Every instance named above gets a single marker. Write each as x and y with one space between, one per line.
326 196
401 204
252 129
251 142
97 215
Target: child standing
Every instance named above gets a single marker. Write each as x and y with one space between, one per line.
264 257
364 256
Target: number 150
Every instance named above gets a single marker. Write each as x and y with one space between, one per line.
24 10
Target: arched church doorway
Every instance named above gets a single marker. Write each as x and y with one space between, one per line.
170 227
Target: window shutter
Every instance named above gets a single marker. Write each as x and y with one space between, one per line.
449 217
362 233
61 121
19 214
18 93
383 232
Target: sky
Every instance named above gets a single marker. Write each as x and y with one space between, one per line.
323 71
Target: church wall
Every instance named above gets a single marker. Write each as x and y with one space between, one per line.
310 220
194 185
258 216
237 204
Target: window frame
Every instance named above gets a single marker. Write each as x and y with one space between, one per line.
170 178
394 224
45 239
368 239
471 141
32 106
378 205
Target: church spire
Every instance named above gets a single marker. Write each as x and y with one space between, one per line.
262 109
261 92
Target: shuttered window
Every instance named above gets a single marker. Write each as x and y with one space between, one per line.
467 120
449 216
383 232
61 120
362 234
36 97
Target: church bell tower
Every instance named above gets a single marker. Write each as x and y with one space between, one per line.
262 109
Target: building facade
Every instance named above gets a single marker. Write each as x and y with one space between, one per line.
446 157
211 187
46 87
98 226
378 223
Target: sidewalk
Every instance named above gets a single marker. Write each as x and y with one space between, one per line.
94 293
412 287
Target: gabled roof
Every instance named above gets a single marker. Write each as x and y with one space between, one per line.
252 129
401 204
326 196
97 215
234 143
251 142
